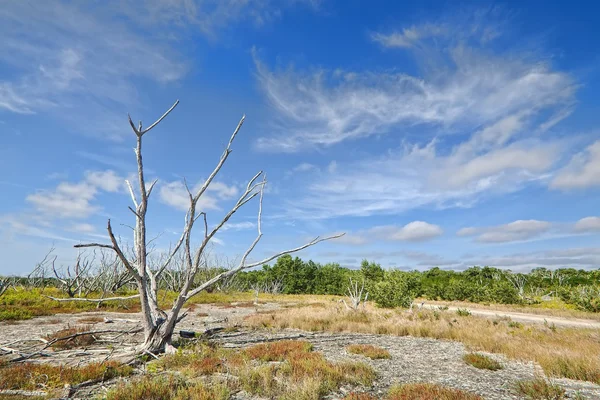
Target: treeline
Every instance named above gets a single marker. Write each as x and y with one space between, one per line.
392 287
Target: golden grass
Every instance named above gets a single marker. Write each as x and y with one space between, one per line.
482 361
367 350
428 391
564 352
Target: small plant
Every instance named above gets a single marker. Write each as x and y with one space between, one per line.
482 361
463 312
515 324
367 350
540 389
443 308
429 391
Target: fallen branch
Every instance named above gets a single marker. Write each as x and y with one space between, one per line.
71 337
28 393
94 300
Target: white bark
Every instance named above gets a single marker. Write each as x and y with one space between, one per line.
158 324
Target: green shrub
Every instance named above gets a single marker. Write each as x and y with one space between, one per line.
398 289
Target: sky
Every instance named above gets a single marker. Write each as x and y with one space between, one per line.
433 133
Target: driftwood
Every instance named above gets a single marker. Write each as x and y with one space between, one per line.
93 300
27 393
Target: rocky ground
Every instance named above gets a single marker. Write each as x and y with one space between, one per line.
412 359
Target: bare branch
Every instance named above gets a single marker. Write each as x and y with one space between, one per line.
132 193
158 120
119 252
221 161
104 246
152 187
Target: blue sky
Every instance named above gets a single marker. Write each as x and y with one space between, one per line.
433 133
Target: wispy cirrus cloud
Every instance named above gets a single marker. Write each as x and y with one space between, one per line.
82 61
323 108
475 125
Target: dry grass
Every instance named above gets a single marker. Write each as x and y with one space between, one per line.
90 320
30 376
283 370
74 342
367 350
564 352
428 391
482 361
553 308
540 389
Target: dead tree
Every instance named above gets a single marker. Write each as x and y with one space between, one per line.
76 281
39 276
355 296
519 281
158 324
5 283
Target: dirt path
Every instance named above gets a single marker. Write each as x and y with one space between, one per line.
526 317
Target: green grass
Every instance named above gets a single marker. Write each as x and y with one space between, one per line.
482 361
540 389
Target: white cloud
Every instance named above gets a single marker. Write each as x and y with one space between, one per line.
108 180
521 230
174 194
416 231
238 226
75 200
429 175
582 171
511 232
587 224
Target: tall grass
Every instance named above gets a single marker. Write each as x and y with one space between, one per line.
566 352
